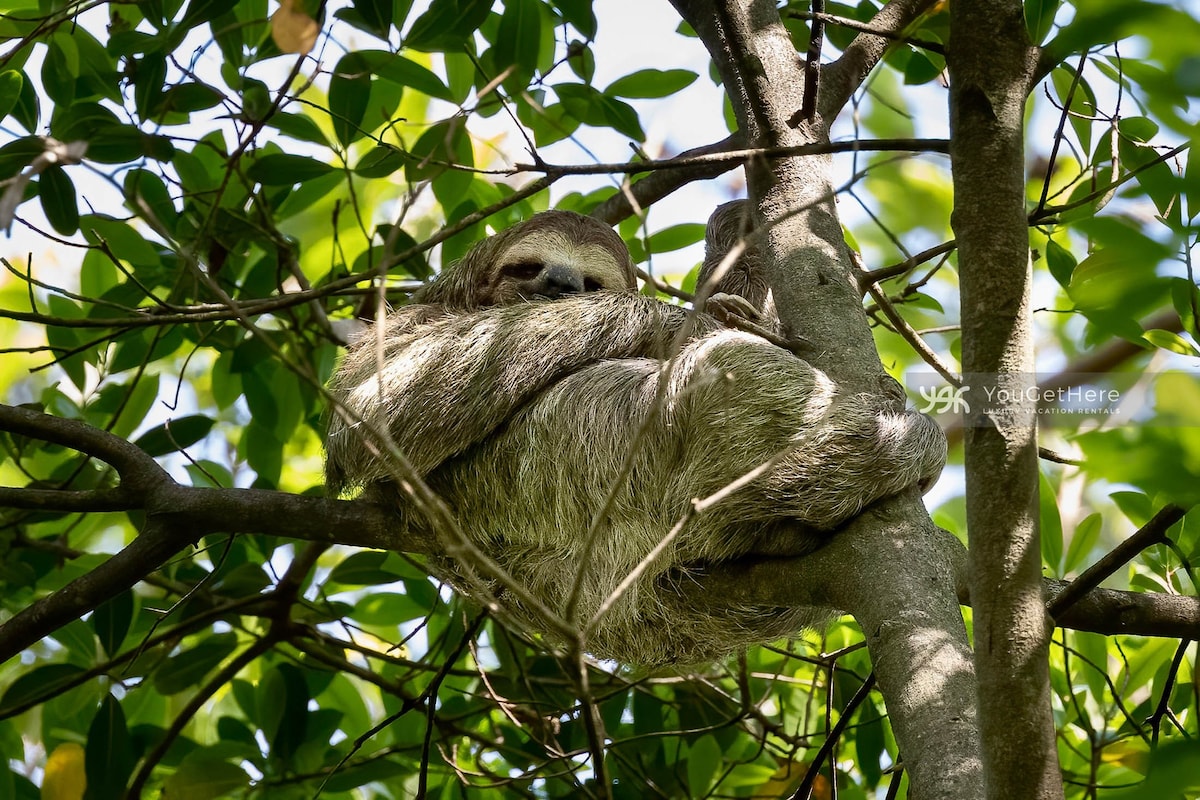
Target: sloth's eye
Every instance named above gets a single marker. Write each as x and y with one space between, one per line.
592 285
522 270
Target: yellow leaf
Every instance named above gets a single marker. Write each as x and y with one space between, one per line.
64 777
292 29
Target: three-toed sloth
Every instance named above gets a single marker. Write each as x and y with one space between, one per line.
591 407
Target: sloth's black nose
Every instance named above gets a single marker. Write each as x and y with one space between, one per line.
559 279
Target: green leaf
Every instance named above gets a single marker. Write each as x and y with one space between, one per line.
1039 18
149 74
387 608
111 621
869 743
60 69
380 162
17 154
109 757
447 24
283 169
580 14
175 435
28 107
298 126
405 72
57 194
1083 541
377 14
39 684
1171 341
368 568
1051 526
205 776
649 83
186 669
704 757
349 93
186 98
1060 262
147 195
286 701
124 242
355 776
200 11
11 84
676 237
518 39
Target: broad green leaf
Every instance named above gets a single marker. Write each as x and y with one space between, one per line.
109 758
647 83
17 154
59 203
676 237
349 92
368 568
123 241
282 169
146 194
185 670
11 84
28 107
148 76
1039 18
1051 526
298 126
447 24
199 11
175 435
359 775
186 98
387 608
1060 262
1169 340
580 14
111 621
704 757
518 38
1083 540
405 72
38 683
377 14
204 776
283 701
380 162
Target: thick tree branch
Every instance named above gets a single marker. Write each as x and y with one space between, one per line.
658 185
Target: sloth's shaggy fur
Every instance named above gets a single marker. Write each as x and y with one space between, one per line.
520 416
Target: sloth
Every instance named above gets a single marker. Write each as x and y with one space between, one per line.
745 278
542 398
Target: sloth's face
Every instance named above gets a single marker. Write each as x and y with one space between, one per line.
554 254
547 265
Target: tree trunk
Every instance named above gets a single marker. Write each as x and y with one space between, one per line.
991 67
916 635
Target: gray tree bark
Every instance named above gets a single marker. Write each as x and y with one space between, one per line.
914 629
992 67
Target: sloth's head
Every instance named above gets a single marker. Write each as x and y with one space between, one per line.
549 255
